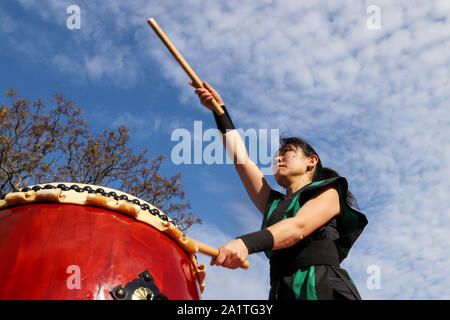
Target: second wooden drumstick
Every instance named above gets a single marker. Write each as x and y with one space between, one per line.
177 55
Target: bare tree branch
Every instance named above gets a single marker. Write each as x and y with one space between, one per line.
39 145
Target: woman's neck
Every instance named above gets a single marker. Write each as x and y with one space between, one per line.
297 184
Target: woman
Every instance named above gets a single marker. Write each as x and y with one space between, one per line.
305 233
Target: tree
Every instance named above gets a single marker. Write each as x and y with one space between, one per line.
40 146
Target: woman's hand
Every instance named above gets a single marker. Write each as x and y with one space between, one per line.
206 95
232 255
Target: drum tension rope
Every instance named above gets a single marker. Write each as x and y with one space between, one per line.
63 187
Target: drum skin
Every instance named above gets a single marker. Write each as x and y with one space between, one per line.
51 251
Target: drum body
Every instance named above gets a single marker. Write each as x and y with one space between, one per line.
71 251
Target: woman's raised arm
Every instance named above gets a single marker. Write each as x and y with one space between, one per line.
251 176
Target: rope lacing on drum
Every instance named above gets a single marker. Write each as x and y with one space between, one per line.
76 188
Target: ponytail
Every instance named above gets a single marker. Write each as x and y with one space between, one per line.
323 173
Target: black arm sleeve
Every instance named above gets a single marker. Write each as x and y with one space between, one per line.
224 122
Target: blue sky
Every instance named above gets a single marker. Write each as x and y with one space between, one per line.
372 101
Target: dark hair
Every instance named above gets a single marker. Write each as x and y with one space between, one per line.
321 173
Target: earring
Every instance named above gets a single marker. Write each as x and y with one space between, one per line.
309 168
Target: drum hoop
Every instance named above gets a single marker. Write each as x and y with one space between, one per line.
111 199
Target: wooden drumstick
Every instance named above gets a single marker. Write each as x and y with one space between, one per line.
213 252
195 79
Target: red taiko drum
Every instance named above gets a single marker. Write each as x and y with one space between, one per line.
74 241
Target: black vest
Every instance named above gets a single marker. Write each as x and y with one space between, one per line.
328 245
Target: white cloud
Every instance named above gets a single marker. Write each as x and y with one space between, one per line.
7 24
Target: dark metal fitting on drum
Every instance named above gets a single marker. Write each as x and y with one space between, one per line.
142 288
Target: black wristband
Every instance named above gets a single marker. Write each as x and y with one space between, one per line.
223 122
258 241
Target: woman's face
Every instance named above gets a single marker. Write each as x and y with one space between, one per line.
289 163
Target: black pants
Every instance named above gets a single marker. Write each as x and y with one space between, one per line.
321 282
